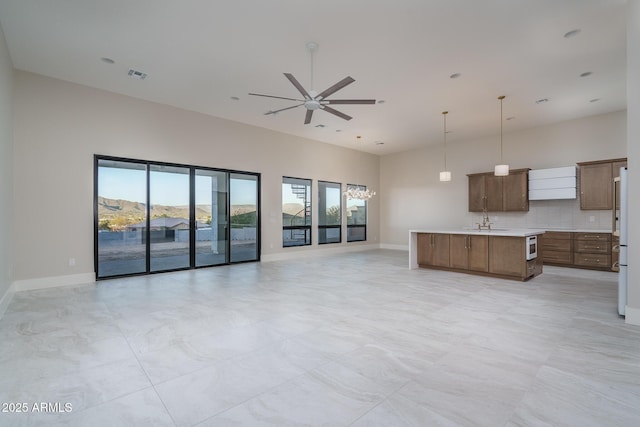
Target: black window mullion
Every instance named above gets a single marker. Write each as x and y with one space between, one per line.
147 234
193 224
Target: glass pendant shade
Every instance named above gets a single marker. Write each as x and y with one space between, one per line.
501 170
445 176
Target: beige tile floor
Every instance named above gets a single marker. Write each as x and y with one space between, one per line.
345 340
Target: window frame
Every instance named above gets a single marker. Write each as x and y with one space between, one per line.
192 230
366 217
325 227
308 239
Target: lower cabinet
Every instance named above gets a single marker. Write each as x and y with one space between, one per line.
592 250
507 255
469 252
580 250
433 249
557 248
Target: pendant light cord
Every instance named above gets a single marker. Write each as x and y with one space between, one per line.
444 114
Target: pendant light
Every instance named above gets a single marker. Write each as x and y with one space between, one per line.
445 175
502 169
356 191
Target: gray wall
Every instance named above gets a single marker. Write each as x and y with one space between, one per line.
59 126
6 167
412 195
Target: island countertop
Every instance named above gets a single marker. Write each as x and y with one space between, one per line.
513 232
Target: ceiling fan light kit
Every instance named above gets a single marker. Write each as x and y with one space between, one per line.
312 100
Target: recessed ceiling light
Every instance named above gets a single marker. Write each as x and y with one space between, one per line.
135 74
107 60
510 118
586 74
455 75
338 130
235 98
381 101
594 100
542 100
379 143
571 33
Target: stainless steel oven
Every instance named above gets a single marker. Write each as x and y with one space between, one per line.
532 247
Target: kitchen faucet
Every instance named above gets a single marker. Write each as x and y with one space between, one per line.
485 220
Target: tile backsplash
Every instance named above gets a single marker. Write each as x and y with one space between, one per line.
548 214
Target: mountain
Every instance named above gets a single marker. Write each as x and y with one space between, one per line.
118 208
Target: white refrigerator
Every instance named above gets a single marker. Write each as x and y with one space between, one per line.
622 232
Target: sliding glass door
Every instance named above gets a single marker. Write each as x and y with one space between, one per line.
170 212
121 215
211 217
244 217
152 217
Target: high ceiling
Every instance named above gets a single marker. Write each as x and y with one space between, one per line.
200 54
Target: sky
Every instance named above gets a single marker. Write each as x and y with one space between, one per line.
171 189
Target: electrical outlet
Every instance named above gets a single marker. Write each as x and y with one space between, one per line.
592 218
72 262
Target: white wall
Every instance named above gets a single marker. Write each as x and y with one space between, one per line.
59 126
633 146
412 195
6 169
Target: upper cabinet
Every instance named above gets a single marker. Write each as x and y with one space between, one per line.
499 193
596 183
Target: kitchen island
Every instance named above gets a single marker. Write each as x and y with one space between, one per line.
507 253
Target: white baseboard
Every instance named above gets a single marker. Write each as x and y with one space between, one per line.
6 299
632 315
53 282
394 247
306 252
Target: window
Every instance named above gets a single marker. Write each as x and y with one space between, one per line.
356 217
296 212
329 212
152 217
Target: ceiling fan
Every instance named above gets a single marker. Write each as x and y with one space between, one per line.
317 101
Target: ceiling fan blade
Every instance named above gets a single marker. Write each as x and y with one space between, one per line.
307 117
277 97
350 101
282 109
298 85
336 112
336 87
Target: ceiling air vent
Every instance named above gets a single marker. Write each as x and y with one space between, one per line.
135 74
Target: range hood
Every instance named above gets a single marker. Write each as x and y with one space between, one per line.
552 184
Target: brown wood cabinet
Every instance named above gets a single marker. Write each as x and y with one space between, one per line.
516 191
469 252
507 256
596 183
499 193
580 250
433 249
615 170
557 248
501 256
592 250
